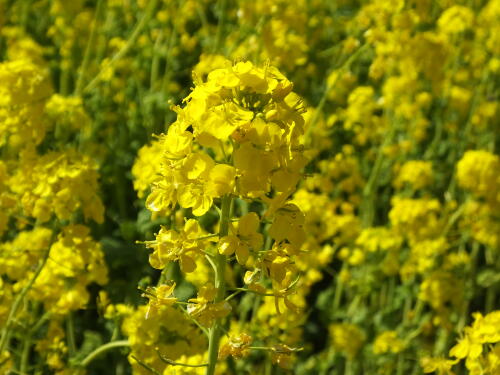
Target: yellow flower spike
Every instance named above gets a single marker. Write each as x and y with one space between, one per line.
239 135
24 85
76 261
58 183
477 172
271 115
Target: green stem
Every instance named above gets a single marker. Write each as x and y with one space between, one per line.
368 205
173 363
268 368
400 365
220 284
64 81
441 343
70 331
146 366
88 49
418 309
349 367
317 111
203 329
130 42
220 25
102 349
40 323
337 296
25 13
25 354
155 63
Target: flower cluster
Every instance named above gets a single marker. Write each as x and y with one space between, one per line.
238 135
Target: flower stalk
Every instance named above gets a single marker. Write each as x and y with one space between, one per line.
220 284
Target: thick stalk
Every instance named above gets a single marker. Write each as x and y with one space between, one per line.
220 284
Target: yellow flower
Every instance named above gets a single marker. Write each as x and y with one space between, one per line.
477 172
177 143
440 365
347 338
75 262
246 237
416 173
159 296
170 332
59 183
183 246
288 225
388 341
236 346
204 309
456 19
221 180
466 347
147 167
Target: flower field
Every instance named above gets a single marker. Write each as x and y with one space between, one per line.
249 187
